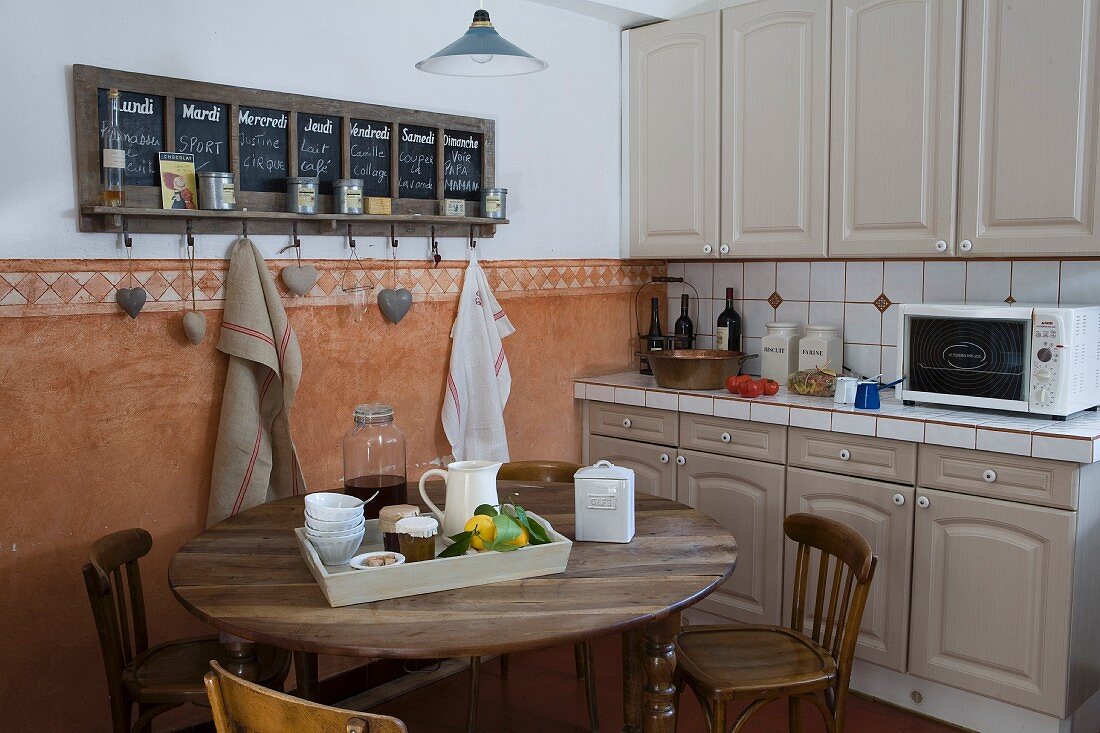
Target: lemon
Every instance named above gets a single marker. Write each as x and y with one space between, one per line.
522 541
484 530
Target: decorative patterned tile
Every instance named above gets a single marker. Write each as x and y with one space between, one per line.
31 287
775 300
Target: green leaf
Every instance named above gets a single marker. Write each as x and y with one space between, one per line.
500 547
508 529
486 509
535 531
460 546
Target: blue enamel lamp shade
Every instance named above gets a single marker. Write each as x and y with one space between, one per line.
481 52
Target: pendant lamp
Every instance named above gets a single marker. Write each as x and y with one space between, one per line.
482 52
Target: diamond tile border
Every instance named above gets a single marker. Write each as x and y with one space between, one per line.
74 287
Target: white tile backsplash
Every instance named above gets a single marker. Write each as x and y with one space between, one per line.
701 275
729 275
795 311
862 323
828 313
903 281
792 280
987 282
826 281
755 314
863 359
944 282
759 280
1035 282
862 281
1080 283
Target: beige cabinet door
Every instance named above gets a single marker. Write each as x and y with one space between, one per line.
746 497
895 72
654 466
883 514
1028 182
672 145
991 589
775 128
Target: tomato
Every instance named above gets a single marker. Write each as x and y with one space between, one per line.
770 387
733 382
750 388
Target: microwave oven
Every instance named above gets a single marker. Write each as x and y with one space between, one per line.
1038 359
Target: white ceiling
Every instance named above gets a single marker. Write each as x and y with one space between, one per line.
631 13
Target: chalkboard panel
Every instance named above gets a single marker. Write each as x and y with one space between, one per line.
202 129
141 117
462 165
416 162
319 148
370 155
262 135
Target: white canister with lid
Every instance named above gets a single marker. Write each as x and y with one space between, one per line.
779 351
821 348
604 503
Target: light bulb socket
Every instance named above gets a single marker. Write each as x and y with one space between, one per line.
481 19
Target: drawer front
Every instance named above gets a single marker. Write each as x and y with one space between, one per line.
654 466
633 423
738 438
853 455
1000 476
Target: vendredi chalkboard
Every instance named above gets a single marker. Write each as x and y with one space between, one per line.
370 155
202 129
141 117
416 162
262 138
319 148
462 165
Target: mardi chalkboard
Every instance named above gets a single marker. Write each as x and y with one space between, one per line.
319 148
202 129
141 117
370 155
462 165
416 162
262 137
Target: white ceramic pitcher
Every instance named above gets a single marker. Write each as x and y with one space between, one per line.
469 485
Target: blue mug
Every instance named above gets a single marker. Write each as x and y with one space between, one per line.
867 396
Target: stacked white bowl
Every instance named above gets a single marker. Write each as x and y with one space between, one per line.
334 526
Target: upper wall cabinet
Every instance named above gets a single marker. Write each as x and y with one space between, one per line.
673 138
894 122
1029 129
775 128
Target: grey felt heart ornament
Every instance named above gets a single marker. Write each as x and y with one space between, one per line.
132 300
394 304
299 279
194 326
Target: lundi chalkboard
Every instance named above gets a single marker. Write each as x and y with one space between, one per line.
141 117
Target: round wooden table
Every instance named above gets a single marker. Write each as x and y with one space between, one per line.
246 577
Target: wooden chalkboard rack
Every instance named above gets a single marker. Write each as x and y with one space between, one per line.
265 212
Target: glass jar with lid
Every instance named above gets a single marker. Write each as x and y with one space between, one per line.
374 459
779 351
821 348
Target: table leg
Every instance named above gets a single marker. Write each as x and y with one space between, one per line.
633 679
660 664
305 675
242 660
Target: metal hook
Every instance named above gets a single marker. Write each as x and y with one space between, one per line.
351 241
393 240
244 228
435 250
473 242
190 237
126 239
295 243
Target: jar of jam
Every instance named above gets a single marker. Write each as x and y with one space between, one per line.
388 518
417 537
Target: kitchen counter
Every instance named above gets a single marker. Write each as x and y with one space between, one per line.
1077 439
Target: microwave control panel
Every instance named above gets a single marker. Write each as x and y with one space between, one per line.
1048 354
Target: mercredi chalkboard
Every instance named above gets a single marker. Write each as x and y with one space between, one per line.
414 157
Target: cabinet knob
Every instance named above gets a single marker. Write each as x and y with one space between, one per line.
966 245
664 458
626 422
845 455
680 460
899 499
989 476
941 246
724 249
922 502
707 249
726 437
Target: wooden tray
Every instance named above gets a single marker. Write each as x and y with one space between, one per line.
344 585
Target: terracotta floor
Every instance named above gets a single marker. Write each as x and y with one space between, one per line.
542 695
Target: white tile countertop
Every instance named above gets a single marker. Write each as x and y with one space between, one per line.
1077 439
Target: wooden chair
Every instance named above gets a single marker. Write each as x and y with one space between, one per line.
765 663
543 472
239 705
156 678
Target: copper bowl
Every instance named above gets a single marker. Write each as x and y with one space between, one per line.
695 368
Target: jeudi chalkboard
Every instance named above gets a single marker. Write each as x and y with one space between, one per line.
416 162
319 148
202 129
141 117
462 165
370 155
262 138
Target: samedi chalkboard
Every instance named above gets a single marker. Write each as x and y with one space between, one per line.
370 155
202 129
141 117
462 165
416 162
319 148
262 136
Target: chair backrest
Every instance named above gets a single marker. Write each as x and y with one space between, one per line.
539 471
113 581
843 579
239 705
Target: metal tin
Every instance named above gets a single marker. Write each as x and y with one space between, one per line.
217 192
494 203
347 195
301 194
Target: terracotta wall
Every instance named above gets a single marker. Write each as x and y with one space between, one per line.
107 423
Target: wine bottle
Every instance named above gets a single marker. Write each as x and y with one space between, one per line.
114 155
729 326
684 327
653 338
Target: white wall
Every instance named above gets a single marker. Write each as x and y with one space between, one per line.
561 206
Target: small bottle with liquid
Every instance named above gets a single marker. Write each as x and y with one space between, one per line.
113 147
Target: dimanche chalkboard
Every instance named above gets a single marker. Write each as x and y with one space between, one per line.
370 155
141 117
202 129
416 162
319 148
262 137
462 165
